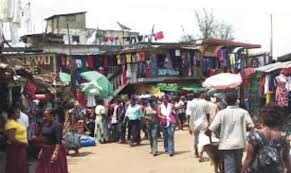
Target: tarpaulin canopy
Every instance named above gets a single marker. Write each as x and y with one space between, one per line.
193 88
223 81
181 87
168 87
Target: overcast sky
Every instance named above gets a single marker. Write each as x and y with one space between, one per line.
250 18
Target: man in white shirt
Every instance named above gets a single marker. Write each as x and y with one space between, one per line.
233 123
199 110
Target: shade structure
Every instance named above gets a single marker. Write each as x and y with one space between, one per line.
65 78
223 81
98 84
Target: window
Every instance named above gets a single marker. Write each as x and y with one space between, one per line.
76 39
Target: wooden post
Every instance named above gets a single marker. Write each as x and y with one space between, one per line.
72 65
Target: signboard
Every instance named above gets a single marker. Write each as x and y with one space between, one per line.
36 63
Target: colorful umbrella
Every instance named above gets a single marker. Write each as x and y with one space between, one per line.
98 84
223 81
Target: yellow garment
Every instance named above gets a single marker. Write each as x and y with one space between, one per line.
268 99
128 58
232 59
118 58
21 134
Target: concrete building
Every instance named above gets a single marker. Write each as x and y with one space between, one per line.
80 34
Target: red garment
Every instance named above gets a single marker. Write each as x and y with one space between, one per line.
111 39
16 159
211 72
80 97
106 63
262 83
44 164
247 75
31 89
90 62
281 94
64 61
147 71
286 72
141 56
124 79
159 35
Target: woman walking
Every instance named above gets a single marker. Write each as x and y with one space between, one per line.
168 120
17 143
267 149
152 124
134 114
52 156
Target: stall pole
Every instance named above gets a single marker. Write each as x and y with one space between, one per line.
72 64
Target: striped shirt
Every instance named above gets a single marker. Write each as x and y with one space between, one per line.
198 108
233 122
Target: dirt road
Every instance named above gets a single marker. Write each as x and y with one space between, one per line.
120 158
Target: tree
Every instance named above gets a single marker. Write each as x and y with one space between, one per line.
210 27
187 38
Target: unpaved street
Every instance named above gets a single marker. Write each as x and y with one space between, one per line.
113 158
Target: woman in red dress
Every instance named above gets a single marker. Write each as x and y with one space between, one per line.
52 157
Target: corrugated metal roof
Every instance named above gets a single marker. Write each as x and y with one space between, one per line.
275 66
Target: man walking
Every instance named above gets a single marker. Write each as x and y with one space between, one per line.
233 123
198 110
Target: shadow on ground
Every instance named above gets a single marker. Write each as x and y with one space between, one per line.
81 154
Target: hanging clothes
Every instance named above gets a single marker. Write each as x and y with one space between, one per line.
118 58
232 61
124 79
141 56
90 62
78 63
128 58
281 91
106 62
134 57
268 99
147 71
91 101
123 59
266 85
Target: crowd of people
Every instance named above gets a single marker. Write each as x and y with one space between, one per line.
217 121
18 134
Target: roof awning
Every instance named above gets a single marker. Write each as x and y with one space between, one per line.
275 66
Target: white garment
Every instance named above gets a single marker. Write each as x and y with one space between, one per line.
91 102
288 84
198 110
100 110
114 116
78 63
266 85
24 119
166 111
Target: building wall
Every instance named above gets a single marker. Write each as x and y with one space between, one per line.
56 24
